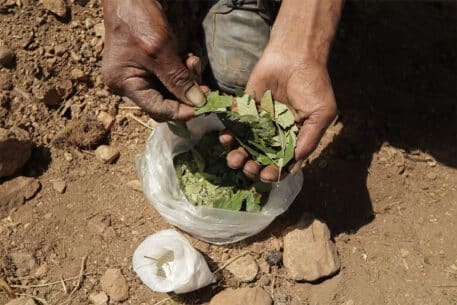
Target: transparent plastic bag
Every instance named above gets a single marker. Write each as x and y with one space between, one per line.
218 226
166 261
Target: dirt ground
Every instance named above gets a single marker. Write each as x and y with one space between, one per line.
384 178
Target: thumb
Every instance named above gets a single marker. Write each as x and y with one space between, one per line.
177 79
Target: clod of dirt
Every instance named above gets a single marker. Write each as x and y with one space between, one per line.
15 192
24 263
15 150
115 285
53 95
106 153
58 7
242 296
264 280
59 186
106 119
7 56
244 269
309 252
98 298
84 133
22 301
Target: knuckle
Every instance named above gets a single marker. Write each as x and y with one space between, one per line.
179 76
155 43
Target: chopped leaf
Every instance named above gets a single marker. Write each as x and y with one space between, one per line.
290 148
283 115
267 103
179 129
246 105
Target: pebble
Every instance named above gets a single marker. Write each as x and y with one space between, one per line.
244 269
78 74
432 176
98 298
15 150
106 119
14 192
106 153
135 185
7 56
115 285
274 257
58 7
309 252
242 296
22 301
59 186
99 30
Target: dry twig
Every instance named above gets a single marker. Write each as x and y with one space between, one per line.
133 117
80 278
48 284
9 291
63 285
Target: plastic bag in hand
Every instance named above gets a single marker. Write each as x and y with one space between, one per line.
217 226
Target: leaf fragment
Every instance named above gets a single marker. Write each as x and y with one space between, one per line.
180 129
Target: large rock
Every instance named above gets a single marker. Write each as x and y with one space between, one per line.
115 285
15 150
244 269
309 252
242 296
15 192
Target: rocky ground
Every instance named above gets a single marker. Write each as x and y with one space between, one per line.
374 223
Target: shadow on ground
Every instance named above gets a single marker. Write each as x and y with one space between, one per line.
393 68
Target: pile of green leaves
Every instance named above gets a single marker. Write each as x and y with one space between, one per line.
206 180
269 135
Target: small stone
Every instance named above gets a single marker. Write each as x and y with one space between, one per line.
432 176
115 285
78 74
99 30
98 298
7 56
309 252
59 186
22 301
264 280
264 266
274 257
14 192
58 7
135 185
242 296
106 119
89 23
244 269
106 154
102 93
15 150
59 50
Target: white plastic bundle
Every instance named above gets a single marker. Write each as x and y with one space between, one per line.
166 261
217 226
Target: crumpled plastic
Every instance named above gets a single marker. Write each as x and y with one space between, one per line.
166 261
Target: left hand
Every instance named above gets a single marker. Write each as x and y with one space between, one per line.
305 86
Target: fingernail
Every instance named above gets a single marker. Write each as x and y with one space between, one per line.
295 168
195 96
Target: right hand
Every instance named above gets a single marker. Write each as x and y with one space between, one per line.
140 48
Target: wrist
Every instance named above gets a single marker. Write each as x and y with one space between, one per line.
305 29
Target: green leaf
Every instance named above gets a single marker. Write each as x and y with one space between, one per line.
253 203
264 160
246 106
290 148
179 129
267 103
283 116
215 103
234 203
